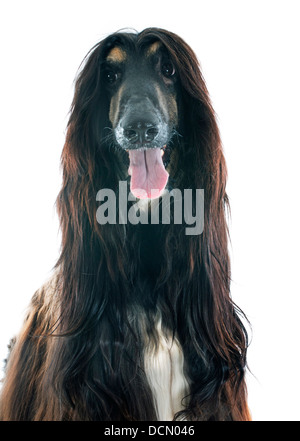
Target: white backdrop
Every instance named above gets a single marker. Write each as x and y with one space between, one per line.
249 53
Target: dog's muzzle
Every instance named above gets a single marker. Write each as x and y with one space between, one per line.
143 133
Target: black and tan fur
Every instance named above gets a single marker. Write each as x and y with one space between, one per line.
123 297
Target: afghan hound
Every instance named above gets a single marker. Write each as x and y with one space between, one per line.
137 321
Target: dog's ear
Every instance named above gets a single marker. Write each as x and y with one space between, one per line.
89 95
88 118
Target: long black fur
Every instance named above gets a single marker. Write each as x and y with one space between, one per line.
80 354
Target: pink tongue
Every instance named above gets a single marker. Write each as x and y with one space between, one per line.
148 174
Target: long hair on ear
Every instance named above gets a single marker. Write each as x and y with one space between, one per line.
80 355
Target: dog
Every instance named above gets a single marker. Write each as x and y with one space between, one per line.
137 321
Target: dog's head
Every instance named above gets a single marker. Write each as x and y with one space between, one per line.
141 82
144 94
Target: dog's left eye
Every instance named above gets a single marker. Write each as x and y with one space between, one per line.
167 69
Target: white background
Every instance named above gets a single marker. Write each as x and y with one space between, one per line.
249 52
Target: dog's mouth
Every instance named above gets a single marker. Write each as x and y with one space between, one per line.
147 170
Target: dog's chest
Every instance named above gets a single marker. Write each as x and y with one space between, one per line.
164 368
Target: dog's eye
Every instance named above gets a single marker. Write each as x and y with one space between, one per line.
167 69
111 76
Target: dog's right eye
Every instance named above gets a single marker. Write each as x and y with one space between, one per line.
111 76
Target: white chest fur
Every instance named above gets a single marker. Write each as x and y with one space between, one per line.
164 370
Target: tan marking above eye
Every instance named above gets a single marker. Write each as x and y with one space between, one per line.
153 48
116 55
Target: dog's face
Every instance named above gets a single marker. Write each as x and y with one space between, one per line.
143 111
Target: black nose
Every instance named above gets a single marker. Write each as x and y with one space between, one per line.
140 132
